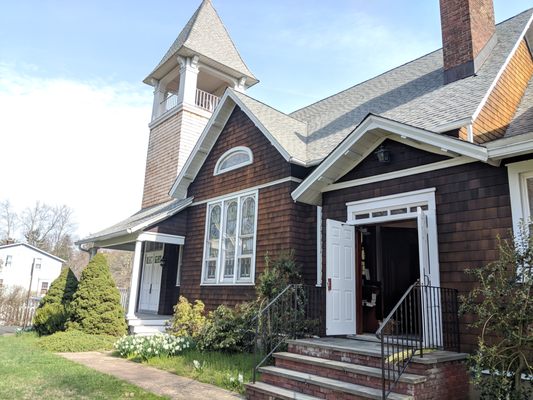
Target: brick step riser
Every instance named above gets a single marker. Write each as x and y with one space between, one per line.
252 394
352 358
308 388
350 377
335 355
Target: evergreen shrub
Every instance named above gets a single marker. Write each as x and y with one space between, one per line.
96 307
54 309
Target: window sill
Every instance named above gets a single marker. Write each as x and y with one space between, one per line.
229 284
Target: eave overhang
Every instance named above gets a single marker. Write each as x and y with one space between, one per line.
362 142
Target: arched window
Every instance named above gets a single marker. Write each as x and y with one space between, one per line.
234 158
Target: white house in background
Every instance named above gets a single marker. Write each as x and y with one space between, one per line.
18 259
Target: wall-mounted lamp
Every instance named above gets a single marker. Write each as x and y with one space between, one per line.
383 155
163 262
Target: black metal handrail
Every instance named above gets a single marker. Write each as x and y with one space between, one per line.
294 313
424 319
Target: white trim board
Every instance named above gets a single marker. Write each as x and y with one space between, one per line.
239 192
417 198
502 70
516 172
370 133
399 174
208 138
161 238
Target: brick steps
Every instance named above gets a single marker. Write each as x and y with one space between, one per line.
334 368
263 391
344 371
319 385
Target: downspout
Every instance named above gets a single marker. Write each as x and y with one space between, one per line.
92 251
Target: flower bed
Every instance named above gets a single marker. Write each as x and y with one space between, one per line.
145 347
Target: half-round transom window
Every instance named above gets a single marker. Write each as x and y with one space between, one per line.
232 159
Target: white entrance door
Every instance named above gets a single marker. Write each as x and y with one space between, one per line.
151 281
430 296
340 275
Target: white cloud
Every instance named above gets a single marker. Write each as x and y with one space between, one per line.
82 144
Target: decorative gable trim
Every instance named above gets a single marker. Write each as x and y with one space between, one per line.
502 69
209 137
364 139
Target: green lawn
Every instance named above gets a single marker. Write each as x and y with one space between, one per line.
28 372
215 368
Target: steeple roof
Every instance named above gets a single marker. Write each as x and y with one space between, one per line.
206 36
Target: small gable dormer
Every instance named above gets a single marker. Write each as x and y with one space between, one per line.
188 83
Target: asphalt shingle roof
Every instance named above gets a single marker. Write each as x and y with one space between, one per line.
154 213
290 133
205 34
413 93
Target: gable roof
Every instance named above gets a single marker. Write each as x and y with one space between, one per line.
140 220
362 142
206 36
286 134
414 94
29 246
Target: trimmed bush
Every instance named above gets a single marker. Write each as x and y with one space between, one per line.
96 305
145 347
229 329
188 319
54 309
74 341
279 272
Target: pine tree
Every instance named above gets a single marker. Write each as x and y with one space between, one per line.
96 305
54 309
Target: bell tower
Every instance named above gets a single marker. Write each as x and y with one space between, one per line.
188 83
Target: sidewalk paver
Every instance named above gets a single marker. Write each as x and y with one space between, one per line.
154 380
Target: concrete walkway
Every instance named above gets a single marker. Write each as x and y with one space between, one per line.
150 379
8 330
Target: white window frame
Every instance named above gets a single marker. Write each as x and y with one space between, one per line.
219 279
47 287
518 174
229 153
9 260
37 262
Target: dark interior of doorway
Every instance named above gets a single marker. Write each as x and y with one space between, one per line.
389 263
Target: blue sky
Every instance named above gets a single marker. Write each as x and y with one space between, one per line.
77 111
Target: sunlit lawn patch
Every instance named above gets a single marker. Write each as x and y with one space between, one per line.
29 372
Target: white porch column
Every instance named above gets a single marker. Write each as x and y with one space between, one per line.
188 80
159 96
135 277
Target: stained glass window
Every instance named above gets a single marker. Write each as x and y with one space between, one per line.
230 240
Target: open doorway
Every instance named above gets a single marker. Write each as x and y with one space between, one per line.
389 264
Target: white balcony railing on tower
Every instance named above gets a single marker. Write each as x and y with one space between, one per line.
169 103
206 100
203 100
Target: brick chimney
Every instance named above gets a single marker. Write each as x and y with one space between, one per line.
468 36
